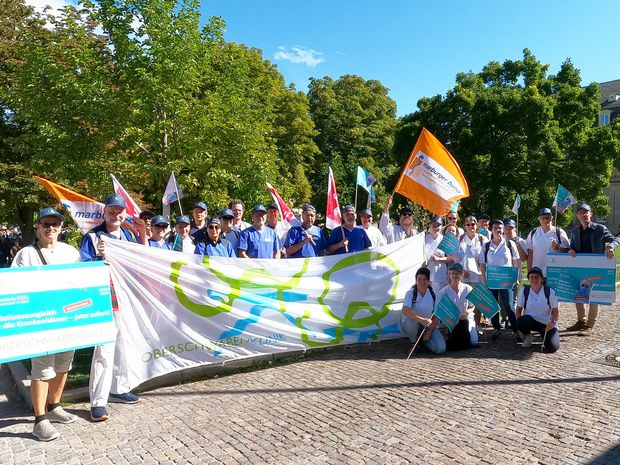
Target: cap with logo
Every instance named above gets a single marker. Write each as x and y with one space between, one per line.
115 200
49 211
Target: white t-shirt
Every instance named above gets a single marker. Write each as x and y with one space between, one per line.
469 253
499 255
522 244
60 254
438 269
458 298
539 242
537 306
188 245
376 237
393 232
424 305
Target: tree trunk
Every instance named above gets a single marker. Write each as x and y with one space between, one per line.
25 215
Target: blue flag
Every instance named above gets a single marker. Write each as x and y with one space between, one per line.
563 199
364 178
455 206
517 204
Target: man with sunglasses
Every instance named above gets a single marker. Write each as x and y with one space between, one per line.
397 232
49 372
227 218
106 377
215 245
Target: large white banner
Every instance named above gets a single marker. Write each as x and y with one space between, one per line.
181 310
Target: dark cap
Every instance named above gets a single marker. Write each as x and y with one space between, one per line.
272 205
406 210
182 219
484 216
494 222
259 208
159 219
366 212
436 220
49 211
456 267
535 270
214 220
348 208
115 200
510 223
146 214
226 213
200 205
583 206
544 211
309 208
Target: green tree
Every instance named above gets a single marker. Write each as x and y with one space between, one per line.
513 128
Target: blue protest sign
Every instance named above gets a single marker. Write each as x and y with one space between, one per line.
501 277
447 312
482 298
449 244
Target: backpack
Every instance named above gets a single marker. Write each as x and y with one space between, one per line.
557 233
415 294
487 246
526 294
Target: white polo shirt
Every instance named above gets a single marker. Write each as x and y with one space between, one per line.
537 306
539 242
424 305
458 298
499 255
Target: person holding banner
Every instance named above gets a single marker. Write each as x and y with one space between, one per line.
259 240
464 335
418 307
106 376
436 259
403 230
49 372
215 245
544 239
228 233
347 238
159 226
306 240
499 252
537 310
589 237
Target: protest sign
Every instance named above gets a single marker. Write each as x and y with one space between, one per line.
447 312
482 298
501 277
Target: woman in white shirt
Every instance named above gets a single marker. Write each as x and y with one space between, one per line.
418 308
436 259
538 312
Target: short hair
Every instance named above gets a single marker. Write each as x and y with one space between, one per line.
236 202
423 271
484 216
471 218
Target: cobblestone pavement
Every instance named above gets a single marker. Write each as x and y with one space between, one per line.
499 404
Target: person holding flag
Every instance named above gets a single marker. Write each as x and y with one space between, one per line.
563 199
181 240
273 221
306 240
347 238
397 232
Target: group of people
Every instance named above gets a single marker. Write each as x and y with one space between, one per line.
482 242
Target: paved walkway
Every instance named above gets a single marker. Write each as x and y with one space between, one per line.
499 404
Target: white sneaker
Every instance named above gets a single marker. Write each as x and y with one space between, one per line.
45 431
59 415
527 342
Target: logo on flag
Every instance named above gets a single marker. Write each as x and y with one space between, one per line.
172 193
431 177
286 213
332 212
563 199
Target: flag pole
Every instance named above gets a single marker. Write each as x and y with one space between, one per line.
416 343
543 342
355 203
346 247
177 192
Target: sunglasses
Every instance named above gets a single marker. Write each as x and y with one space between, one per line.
406 214
470 224
161 226
50 225
213 226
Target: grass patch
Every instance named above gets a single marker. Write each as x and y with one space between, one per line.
79 374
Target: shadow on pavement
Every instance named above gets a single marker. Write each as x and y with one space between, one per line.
611 456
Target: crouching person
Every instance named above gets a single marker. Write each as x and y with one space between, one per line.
417 314
537 310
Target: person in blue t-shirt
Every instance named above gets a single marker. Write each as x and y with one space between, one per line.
259 241
214 245
305 240
354 240
159 228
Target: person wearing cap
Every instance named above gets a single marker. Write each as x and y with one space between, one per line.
49 372
589 237
106 377
306 240
500 252
215 245
273 222
238 208
231 235
418 308
464 335
436 260
259 241
181 240
544 239
537 310
510 234
199 221
377 239
347 238
159 226
397 232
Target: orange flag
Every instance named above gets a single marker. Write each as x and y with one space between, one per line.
431 177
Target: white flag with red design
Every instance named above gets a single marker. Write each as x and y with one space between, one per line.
332 212
286 213
133 211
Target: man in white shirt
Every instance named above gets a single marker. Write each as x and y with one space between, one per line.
397 232
544 239
182 241
376 237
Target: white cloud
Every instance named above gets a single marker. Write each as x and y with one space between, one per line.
56 5
299 54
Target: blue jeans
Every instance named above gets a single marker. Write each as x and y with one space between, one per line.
527 324
506 300
412 328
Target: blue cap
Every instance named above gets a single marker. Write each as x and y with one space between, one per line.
214 220
227 213
182 219
494 222
349 208
436 219
159 219
146 214
510 223
49 211
115 200
583 206
259 208
535 270
366 212
272 205
309 208
200 205
544 211
456 267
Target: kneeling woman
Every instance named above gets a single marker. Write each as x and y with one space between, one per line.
464 334
418 309
537 310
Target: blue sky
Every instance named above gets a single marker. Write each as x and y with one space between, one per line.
416 48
